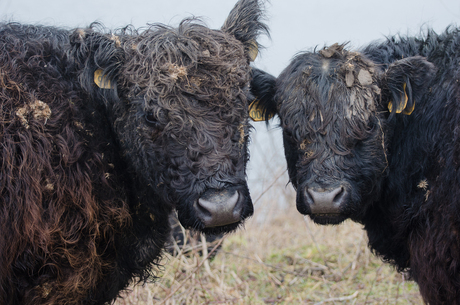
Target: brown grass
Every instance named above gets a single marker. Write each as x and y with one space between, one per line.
285 260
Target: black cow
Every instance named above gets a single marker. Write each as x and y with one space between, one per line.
374 135
103 135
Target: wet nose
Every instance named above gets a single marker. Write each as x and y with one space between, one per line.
325 201
219 207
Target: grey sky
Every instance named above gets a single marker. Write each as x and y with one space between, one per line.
295 24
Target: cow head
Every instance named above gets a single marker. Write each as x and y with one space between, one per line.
178 99
337 110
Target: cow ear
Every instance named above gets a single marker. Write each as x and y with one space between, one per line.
98 58
263 107
406 81
244 22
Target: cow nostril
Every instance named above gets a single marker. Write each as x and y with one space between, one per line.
202 210
339 196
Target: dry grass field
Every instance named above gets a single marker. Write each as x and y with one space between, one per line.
285 259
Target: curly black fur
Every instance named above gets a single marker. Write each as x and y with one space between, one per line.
90 175
399 173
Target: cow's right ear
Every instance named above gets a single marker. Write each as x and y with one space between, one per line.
245 23
405 81
98 58
263 107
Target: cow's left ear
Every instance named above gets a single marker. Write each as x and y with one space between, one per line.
405 81
263 88
244 22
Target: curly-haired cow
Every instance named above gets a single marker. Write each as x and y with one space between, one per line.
374 136
102 135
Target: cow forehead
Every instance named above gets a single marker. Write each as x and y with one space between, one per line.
192 56
329 86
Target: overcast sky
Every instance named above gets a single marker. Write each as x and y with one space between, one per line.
295 25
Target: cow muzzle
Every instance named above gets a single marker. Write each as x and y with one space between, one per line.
218 208
320 200
323 205
325 201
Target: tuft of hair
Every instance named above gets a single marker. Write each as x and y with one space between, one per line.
334 51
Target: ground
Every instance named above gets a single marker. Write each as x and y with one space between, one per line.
285 259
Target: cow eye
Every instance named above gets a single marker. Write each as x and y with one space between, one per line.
150 119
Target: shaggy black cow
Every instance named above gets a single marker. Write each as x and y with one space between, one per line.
103 135
374 136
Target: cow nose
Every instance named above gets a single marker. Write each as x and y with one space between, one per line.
219 207
325 201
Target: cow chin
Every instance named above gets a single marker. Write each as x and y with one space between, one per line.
217 210
328 219
331 218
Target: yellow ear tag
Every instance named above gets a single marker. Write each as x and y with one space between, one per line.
402 106
256 113
101 80
253 50
410 110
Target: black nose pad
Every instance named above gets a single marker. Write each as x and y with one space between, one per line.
219 207
325 201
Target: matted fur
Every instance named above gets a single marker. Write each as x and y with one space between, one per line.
398 172
89 175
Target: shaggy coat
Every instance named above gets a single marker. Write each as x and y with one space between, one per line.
374 136
103 135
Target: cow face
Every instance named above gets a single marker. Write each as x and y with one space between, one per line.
179 100
337 128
